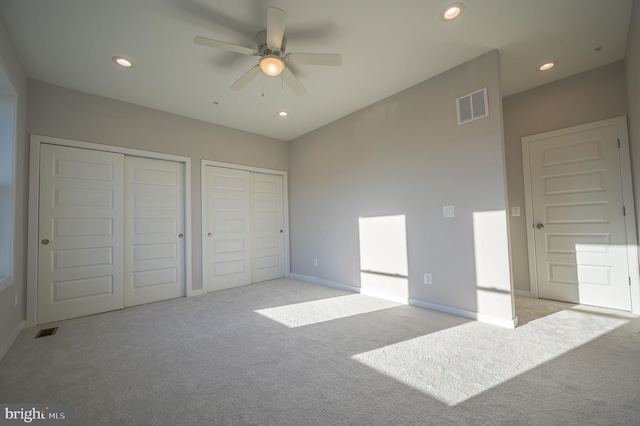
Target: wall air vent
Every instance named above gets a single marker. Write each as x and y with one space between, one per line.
472 106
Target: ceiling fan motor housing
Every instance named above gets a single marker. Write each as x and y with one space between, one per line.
264 50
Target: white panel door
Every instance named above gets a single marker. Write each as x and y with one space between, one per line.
80 259
154 230
227 226
267 243
580 238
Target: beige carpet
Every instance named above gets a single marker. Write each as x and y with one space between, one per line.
287 352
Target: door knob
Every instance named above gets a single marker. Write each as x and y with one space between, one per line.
209 234
45 242
180 236
539 226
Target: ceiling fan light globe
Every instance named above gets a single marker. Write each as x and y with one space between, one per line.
271 65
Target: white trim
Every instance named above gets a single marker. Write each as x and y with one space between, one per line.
108 148
630 217
242 167
501 322
11 339
34 190
415 302
397 299
627 196
203 227
203 210
326 283
528 213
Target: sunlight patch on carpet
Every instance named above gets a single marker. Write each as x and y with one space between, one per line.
458 363
317 311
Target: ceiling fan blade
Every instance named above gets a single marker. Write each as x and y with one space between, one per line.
224 45
293 82
328 59
246 78
276 19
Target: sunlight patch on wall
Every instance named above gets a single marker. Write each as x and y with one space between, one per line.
384 267
317 311
459 363
491 252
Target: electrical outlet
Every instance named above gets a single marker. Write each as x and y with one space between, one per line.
427 278
315 262
448 211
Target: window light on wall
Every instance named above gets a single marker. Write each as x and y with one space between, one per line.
7 179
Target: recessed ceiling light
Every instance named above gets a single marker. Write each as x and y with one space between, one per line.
122 61
451 12
547 66
283 113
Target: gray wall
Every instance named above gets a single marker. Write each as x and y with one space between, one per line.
406 155
11 317
64 113
632 62
583 98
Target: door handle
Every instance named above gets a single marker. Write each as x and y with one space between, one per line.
45 242
180 236
540 226
209 234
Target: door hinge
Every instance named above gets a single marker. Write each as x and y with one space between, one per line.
624 211
629 281
618 143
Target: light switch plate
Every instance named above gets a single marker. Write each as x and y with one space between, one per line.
515 211
449 211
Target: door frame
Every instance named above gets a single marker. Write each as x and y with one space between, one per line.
627 197
203 204
34 209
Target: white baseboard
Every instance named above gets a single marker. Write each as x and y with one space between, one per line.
199 292
501 322
523 293
12 338
397 299
325 282
466 314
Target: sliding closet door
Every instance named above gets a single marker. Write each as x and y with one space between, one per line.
227 228
267 238
244 227
80 259
154 230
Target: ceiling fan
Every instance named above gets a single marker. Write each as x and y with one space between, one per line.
272 52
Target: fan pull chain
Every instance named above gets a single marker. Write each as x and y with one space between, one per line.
262 81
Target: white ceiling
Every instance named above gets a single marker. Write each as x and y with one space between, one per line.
386 45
